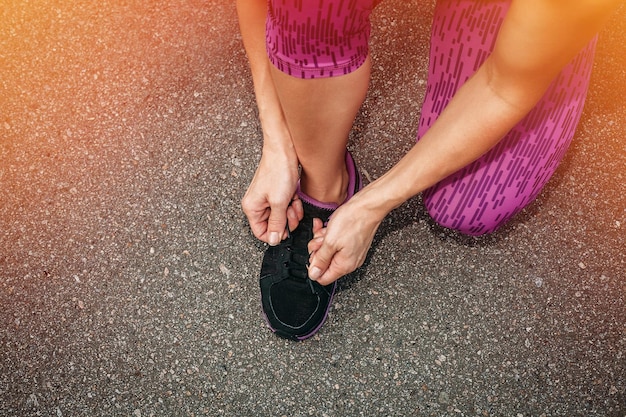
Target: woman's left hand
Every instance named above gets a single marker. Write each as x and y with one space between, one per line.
341 247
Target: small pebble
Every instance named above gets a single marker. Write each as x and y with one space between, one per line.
444 397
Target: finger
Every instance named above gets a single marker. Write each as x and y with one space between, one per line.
314 245
276 225
331 275
259 230
319 231
295 213
297 206
320 259
318 226
328 275
257 215
258 224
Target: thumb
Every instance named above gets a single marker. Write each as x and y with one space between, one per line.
323 267
317 265
276 224
320 261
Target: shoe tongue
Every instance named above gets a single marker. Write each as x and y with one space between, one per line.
313 211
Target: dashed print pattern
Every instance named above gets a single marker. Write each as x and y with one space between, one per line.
484 195
318 38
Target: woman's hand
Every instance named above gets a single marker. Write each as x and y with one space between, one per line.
341 247
270 203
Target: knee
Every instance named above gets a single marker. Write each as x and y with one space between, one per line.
463 225
468 220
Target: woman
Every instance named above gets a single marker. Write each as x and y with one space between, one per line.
506 85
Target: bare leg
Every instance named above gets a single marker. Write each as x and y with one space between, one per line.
320 113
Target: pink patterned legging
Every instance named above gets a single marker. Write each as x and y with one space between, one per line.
330 38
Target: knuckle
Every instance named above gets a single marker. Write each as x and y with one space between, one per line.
246 204
275 221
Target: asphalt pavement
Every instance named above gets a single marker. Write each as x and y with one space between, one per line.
129 277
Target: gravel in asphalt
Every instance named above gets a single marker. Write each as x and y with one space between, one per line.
129 277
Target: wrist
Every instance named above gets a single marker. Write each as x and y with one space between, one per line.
278 146
374 201
276 135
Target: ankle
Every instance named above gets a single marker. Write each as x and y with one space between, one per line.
332 192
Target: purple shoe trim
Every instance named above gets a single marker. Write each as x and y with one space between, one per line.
316 203
354 183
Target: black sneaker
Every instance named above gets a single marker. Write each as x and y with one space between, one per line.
294 306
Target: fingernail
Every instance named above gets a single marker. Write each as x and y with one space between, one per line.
315 273
274 239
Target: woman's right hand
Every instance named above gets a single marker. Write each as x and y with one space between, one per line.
271 203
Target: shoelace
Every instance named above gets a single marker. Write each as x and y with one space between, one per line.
298 262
